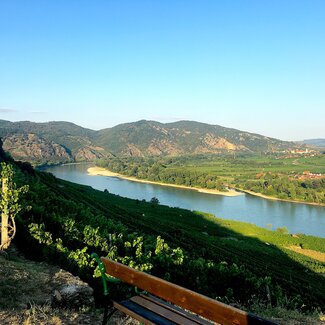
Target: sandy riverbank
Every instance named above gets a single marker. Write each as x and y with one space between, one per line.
277 199
104 172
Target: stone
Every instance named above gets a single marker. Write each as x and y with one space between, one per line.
71 292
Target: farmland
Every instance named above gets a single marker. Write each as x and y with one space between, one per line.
295 178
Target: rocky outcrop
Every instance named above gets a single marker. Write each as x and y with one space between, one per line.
70 291
90 154
35 149
40 284
32 148
163 147
132 151
29 292
214 142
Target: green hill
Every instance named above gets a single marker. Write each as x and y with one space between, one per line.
55 142
51 142
145 138
60 132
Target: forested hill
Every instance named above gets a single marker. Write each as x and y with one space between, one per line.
63 142
47 142
185 137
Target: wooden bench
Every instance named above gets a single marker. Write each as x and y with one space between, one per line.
168 303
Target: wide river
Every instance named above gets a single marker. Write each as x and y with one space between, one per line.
298 218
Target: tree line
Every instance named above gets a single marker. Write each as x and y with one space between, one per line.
284 187
161 171
188 171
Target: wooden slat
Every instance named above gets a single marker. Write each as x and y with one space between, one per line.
190 300
162 311
176 309
140 313
133 314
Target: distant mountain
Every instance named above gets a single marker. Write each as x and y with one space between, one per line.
319 143
64 142
51 142
65 133
30 147
184 137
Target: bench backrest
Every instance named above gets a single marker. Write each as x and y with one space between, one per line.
187 299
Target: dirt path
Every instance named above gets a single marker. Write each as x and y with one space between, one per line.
319 256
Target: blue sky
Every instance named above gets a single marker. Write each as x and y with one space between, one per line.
256 65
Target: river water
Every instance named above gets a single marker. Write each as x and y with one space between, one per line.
298 218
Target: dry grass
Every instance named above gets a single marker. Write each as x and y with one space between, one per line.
290 317
45 315
319 256
25 291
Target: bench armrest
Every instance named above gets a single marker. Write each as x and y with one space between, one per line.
104 277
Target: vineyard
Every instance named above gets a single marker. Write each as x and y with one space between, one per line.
235 262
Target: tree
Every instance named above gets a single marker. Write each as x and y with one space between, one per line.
154 200
9 206
282 230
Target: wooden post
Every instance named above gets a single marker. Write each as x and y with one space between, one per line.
4 215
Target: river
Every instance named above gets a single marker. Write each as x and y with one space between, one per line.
298 218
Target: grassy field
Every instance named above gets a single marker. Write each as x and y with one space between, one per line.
247 167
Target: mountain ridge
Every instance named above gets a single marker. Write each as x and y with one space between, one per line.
318 143
65 141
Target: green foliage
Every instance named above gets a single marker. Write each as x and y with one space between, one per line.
38 232
282 230
154 200
162 170
81 257
9 198
68 221
92 238
167 256
9 206
287 188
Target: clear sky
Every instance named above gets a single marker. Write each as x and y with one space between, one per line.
255 65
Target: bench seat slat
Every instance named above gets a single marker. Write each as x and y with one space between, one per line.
159 309
176 309
141 313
